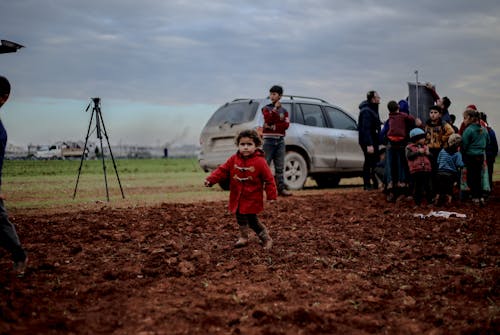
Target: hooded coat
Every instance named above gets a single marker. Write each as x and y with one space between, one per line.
249 176
368 124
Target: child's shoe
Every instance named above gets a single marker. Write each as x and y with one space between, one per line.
243 240
267 241
20 267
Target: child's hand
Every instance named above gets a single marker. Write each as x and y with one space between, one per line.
208 184
277 105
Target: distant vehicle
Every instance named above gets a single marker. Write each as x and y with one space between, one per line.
60 151
321 142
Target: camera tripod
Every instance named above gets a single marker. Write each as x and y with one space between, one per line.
100 129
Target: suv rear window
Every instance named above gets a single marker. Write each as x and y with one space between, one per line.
234 113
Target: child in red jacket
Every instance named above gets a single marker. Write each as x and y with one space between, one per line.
419 164
249 175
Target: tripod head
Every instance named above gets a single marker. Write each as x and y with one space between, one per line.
96 101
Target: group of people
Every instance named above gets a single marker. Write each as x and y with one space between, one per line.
428 159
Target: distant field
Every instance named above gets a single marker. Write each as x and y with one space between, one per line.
36 184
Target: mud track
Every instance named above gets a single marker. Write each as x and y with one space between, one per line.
342 262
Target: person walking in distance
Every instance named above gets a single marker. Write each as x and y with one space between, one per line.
369 129
8 235
276 122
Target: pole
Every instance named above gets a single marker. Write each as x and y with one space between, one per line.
416 92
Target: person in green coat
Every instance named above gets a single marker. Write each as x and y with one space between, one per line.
474 141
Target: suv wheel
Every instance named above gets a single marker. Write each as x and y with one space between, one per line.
295 173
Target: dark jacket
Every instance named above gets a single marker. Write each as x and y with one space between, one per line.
492 147
3 144
368 125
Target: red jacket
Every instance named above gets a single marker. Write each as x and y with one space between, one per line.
248 178
417 162
276 121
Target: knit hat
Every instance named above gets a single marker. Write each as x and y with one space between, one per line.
473 107
416 134
403 106
454 140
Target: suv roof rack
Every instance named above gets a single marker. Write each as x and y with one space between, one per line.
286 96
304 97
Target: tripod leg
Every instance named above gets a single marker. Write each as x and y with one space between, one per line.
112 158
99 135
83 156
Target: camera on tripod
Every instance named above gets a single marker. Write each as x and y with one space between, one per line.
96 100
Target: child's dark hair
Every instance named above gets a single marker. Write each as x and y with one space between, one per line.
435 108
392 106
446 102
4 86
250 133
276 89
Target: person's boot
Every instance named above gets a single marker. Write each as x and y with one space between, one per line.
243 240
267 241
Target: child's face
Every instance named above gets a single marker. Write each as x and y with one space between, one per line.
274 97
466 119
246 146
433 115
421 141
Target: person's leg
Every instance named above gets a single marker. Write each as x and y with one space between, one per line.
279 164
474 167
491 163
389 163
260 230
269 148
10 241
243 224
418 188
374 160
366 169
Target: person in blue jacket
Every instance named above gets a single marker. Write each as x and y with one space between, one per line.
8 235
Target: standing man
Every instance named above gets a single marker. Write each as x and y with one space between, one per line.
8 236
276 122
369 129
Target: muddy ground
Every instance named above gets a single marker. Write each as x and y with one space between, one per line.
343 262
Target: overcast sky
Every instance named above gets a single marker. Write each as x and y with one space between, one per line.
161 67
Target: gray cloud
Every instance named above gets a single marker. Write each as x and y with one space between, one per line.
206 52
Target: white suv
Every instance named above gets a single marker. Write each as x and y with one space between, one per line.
321 142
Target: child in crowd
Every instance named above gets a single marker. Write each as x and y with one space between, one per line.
437 133
491 149
474 141
399 125
249 175
449 165
418 156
